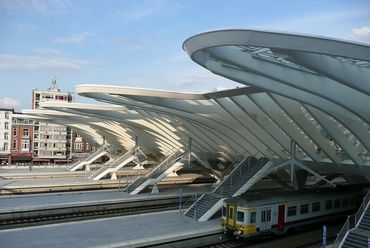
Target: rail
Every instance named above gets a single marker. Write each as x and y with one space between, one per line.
347 226
167 163
114 163
250 171
190 201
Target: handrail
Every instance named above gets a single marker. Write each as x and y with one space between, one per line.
167 162
114 163
343 232
203 188
220 185
239 178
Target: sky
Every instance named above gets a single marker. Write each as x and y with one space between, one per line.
138 43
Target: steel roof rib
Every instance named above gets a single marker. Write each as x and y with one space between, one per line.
325 76
313 90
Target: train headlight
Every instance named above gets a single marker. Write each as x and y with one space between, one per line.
223 222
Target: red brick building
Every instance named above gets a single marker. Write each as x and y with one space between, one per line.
21 141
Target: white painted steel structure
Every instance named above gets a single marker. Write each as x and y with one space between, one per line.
309 89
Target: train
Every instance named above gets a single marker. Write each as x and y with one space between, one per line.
263 215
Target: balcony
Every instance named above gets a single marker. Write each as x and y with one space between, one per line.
25 137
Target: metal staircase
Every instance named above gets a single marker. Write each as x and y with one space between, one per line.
170 164
116 164
208 204
89 159
356 235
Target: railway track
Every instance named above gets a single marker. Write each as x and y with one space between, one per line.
304 239
80 216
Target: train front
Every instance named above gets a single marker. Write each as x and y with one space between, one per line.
237 219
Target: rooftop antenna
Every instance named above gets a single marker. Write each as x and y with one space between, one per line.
53 86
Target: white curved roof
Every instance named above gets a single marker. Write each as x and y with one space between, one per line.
313 90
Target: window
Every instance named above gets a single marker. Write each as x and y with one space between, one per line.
328 204
14 144
292 210
240 216
92 149
25 144
15 131
224 211
25 132
315 206
6 146
266 215
78 146
6 115
253 217
6 135
345 202
304 208
337 203
60 137
6 125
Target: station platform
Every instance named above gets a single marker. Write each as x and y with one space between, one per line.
129 231
43 179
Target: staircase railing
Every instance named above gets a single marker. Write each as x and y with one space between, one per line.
113 163
190 201
228 182
346 227
88 157
167 163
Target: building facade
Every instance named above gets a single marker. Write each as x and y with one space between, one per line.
21 141
51 143
80 147
5 134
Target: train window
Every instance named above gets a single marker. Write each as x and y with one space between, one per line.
345 202
304 208
328 204
224 211
292 210
337 203
315 206
253 217
266 215
240 216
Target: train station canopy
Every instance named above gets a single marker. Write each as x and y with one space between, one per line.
313 90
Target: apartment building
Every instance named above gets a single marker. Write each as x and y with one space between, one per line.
51 142
5 133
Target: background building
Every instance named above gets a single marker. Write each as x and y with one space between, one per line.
80 147
5 133
51 143
21 141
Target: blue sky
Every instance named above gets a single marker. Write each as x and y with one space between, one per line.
138 43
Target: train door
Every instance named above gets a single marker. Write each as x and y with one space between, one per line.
230 215
281 217
265 218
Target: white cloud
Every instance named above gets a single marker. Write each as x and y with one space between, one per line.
125 41
41 6
25 26
78 38
360 34
16 62
47 50
9 102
